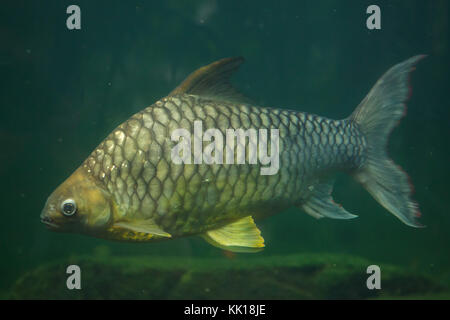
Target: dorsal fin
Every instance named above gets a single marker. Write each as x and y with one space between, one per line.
213 81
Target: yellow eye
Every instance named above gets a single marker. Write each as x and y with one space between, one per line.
68 207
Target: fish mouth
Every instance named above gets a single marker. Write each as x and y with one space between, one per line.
49 223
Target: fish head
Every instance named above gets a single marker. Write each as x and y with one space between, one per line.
79 205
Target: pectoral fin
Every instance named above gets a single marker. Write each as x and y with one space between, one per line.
321 204
145 226
240 236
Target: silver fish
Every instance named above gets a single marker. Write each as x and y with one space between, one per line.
130 188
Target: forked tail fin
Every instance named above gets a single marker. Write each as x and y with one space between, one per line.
376 116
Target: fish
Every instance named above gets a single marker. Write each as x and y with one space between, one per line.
130 188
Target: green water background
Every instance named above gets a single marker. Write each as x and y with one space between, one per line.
63 91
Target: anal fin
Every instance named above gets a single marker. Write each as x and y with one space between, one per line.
321 204
239 236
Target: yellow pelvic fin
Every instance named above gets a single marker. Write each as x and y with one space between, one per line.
240 236
145 226
212 81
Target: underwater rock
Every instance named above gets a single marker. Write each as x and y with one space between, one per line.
302 276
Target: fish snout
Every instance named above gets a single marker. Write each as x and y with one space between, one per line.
46 217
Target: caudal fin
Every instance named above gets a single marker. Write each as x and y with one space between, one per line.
376 116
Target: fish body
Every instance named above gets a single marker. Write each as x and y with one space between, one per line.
130 187
134 164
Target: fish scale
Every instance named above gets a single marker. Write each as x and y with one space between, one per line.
134 163
130 189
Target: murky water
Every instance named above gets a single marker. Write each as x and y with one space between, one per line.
63 91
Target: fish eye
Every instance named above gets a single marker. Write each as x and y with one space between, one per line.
68 207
